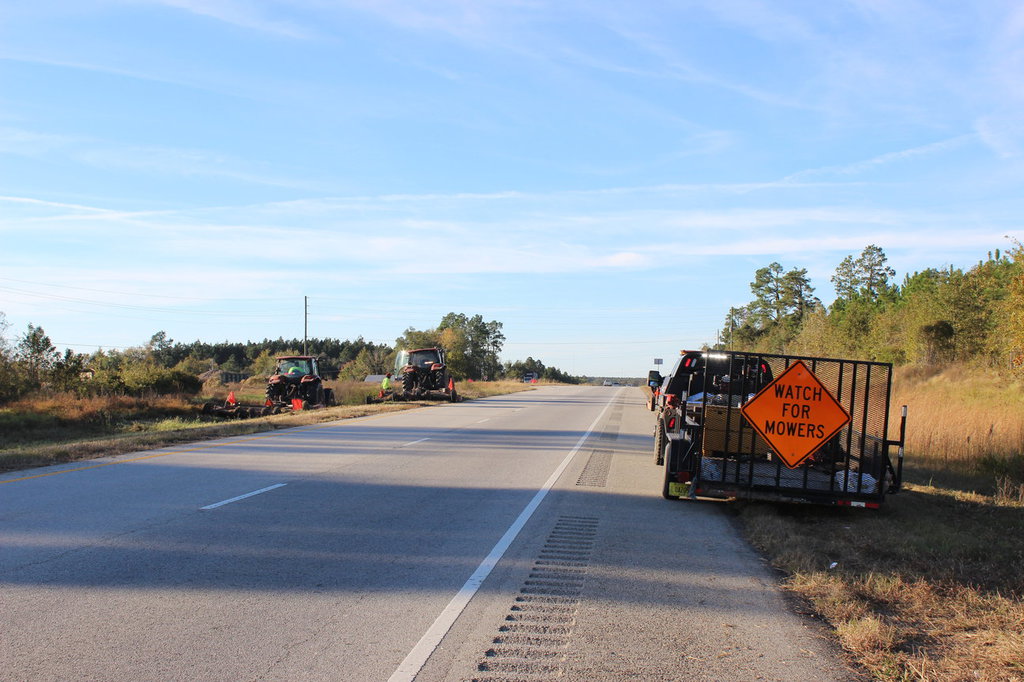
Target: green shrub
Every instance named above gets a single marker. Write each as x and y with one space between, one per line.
151 378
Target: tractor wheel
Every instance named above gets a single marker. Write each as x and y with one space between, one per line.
318 395
408 382
328 397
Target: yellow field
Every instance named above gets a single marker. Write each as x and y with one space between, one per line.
965 428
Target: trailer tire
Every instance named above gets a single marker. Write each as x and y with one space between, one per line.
664 487
659 444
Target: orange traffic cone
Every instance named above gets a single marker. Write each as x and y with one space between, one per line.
296 403
231 398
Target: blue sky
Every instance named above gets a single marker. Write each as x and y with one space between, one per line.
603 178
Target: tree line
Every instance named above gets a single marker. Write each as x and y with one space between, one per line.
935 315
31 361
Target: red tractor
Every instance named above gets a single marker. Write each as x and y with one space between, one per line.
423 371
298 377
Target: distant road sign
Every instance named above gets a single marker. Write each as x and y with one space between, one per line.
658 361
795 414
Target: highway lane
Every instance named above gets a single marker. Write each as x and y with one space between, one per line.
158 566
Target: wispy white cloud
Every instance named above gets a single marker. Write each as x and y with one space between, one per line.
1002 133
933 148
467 21
191 81
1001 126
187 163
248 15
766 20
74 208
157 160
553 239
31 143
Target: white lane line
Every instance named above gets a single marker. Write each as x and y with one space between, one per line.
484 420
405 445
409 668
242 497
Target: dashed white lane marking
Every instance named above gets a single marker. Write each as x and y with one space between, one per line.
242 497
484 420
405 445
414 661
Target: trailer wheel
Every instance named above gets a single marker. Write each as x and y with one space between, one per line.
659 444
664 488
671 458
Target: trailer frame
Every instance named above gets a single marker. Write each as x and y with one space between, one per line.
717 454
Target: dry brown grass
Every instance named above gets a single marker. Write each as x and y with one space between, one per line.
931 587
483 389
965 428
69 406
928 588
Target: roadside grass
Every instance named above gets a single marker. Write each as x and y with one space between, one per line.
965 428
58 428
931 586
485 389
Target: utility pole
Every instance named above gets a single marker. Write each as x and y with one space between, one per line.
305 325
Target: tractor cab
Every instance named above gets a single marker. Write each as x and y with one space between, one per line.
295 365
424 359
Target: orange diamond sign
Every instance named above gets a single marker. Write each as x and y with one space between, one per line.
795 414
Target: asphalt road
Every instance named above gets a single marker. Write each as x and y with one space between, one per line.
521 537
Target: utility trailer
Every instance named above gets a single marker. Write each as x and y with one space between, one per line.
785 428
